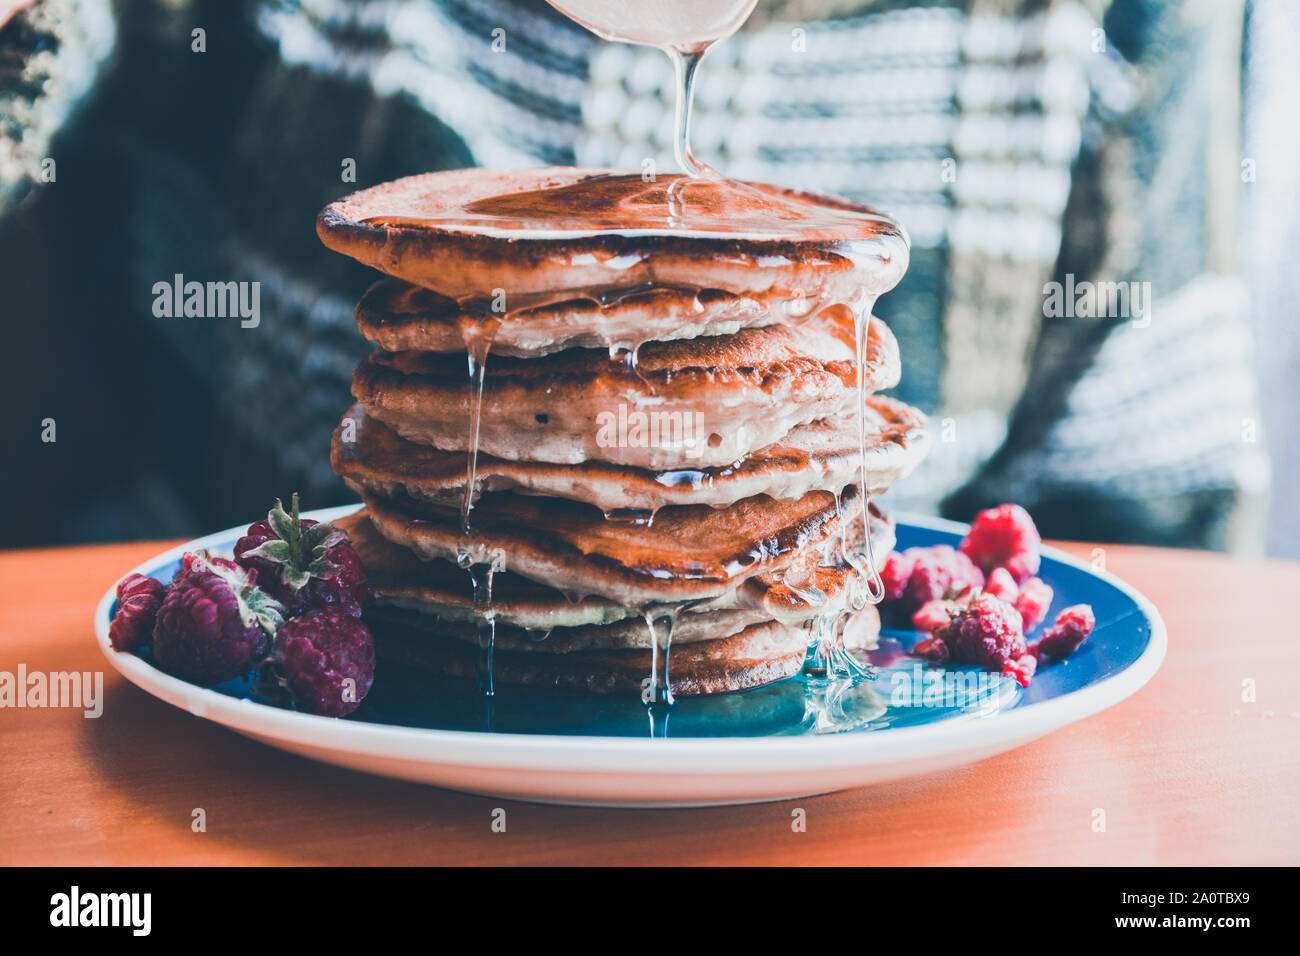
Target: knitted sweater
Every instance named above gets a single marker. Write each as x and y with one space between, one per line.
1033 149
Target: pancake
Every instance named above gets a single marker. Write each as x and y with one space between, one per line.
398 316
632 633
543 235
438 591
399 579
759 654
688 553
706 402
821 455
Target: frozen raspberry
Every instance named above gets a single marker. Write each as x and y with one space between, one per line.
986 632
938 572
934 614
138 600
214 622
1022 668
302 563
325 660
932 649
1032 602
1001 585
1004 537
894 575
1072 627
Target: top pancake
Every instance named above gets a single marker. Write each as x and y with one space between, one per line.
541 233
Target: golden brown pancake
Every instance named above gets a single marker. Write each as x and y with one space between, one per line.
629 634
545 234
398 317
399 579
704 403
757 655
822 455
688 553
438 590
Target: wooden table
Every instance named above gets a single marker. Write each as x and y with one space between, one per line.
1186 771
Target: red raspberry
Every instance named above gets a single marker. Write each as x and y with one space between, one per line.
214 622
325 660
302 563
932 649
1004 537
138 600
1072 627
894 575
1022 668
1032 602
987 632
934 614
938 571
1001 585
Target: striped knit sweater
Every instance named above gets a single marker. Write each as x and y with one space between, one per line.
1022 143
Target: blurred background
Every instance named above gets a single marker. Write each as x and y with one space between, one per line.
1022 143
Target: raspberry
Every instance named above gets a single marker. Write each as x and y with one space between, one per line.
1022 668
1032 602
1004 537
987 632
303 564
325 660
932 649
894 575
934 614
214 622
1072 627
138 600
937 571
1002 585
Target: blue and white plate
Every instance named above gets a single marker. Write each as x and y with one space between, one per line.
793 738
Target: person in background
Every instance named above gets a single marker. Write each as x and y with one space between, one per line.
1034 150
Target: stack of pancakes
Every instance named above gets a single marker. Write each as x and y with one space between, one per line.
661 423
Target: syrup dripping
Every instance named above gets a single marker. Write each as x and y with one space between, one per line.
830 658
480 576
656 690
685 63
478 332
861 323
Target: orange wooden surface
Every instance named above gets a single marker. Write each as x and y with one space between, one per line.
1186 771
